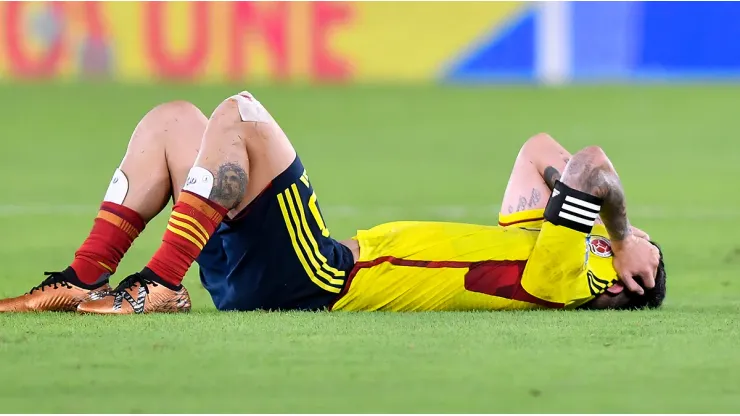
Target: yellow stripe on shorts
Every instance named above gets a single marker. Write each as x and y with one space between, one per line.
324 262
297 248
301 231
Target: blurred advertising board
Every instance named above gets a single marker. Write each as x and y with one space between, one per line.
368 42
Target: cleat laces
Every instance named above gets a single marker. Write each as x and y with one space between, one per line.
53 279
131 281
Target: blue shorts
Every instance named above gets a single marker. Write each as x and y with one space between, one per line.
277 254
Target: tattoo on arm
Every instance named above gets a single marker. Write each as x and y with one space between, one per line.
595 175
550 176
229 185
614 210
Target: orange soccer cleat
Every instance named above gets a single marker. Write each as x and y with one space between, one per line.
55 294
137 294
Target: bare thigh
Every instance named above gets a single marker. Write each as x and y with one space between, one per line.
526 188
161 151
242 132
270 153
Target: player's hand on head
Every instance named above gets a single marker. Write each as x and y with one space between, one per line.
635 257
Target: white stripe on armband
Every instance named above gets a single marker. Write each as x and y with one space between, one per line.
583 212
573 218
574 200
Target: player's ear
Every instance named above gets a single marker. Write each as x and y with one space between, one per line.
616 289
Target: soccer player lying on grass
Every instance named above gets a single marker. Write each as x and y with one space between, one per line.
246 212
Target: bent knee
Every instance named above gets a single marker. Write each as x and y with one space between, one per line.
237 119
242 107
176 119
174 111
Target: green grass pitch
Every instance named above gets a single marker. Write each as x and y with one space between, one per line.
375 155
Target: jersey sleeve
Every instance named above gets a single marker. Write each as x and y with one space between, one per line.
565 269
556 268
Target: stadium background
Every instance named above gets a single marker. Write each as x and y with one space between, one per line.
400 111
368 42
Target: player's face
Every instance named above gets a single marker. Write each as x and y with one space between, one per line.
610 300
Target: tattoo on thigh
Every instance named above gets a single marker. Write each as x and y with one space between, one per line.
551 175
535 198
229 186
522 204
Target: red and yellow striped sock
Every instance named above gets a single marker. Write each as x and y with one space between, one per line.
115 228
192 222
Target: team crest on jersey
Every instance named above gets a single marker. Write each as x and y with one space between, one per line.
600 246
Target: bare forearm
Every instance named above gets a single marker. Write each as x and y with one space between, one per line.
591 171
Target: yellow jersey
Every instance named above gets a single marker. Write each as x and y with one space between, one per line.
522 263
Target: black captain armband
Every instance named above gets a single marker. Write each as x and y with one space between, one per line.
573 209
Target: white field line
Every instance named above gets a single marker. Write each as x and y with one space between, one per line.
446 212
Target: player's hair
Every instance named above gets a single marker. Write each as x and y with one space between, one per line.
626 300
653 298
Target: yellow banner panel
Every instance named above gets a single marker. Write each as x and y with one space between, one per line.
242 41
